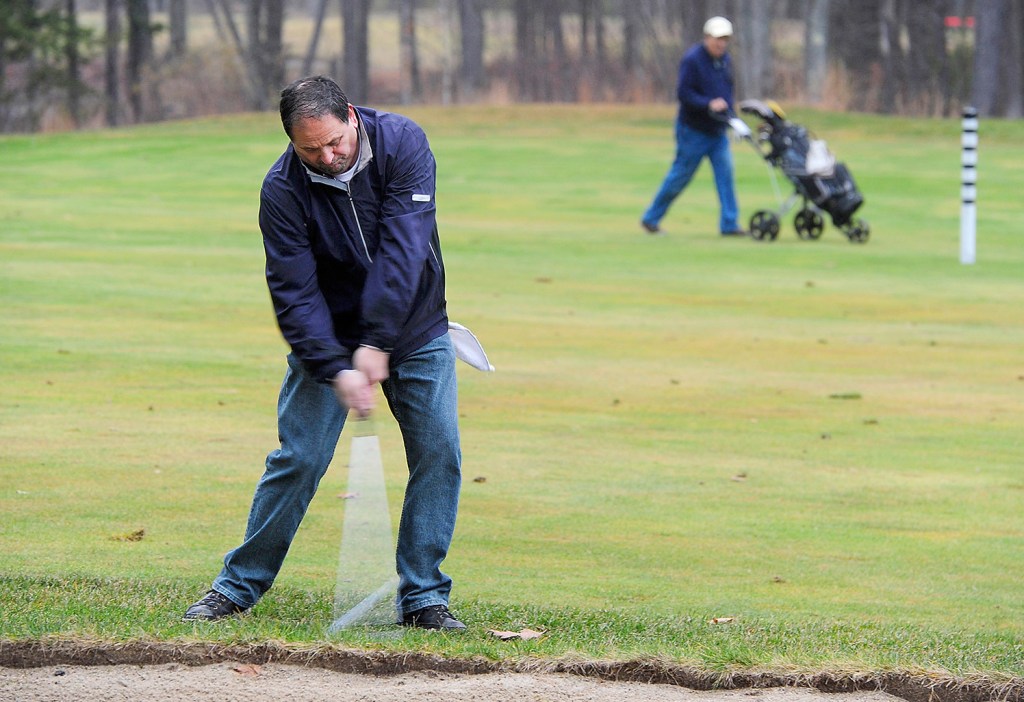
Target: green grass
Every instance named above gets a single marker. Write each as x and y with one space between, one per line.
821 440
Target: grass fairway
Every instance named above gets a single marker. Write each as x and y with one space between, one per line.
819 440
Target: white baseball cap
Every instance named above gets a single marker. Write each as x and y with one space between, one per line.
718 27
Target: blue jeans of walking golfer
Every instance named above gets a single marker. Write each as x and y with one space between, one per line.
692 146
422 395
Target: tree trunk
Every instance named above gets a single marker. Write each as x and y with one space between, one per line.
314 41
264 57
989 27
892 57
1014 79
140 53
816 32
3 71
753 28
211 9
411 87
563 84
273 50
254 52
74 69
586 29
177 11
631 41
526 51
694 15
927 59
858 47
471 65
229 21
355 65
111 74
244 66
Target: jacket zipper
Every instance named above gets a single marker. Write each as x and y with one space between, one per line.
362 238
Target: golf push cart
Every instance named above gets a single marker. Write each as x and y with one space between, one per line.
822 185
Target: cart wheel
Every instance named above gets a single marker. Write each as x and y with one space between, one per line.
764 225
858 232
809 224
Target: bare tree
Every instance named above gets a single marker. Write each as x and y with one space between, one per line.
411 85
527 50
264 53
272 40
928 65
858 48
111 61
1014 73
754 44
694 15
140 54
314 40
586 29
74 79
600 46
990 17
891 54
471 30
355 65
222 31
177 19
816 31
631 41
561 85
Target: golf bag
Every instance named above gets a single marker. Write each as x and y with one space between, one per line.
823 184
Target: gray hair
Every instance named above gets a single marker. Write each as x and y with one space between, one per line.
313 97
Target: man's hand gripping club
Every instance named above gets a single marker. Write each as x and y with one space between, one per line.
355 388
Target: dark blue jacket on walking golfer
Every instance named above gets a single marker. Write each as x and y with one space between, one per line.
702 78
358 263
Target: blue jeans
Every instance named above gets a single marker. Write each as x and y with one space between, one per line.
422 396
692 146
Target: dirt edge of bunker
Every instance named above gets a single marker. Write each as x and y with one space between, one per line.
908 686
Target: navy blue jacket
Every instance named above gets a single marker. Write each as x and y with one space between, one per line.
701 80
358 264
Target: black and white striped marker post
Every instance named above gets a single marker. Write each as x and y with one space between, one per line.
968 188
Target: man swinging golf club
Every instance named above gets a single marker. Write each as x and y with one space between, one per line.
356 277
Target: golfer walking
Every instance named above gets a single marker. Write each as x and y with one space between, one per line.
705 92
356 278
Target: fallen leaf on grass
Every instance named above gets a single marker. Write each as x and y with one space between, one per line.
524 634
479 479
739 477
247 670
722 620
136 535
348 495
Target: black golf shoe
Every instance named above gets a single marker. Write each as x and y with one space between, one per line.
211 607
652 229
434 617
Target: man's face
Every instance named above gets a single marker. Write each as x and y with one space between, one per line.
327 144
716 46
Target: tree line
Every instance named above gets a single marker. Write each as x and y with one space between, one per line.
74 63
